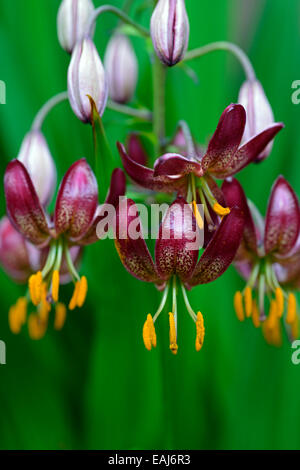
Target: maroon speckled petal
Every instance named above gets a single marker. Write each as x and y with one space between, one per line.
235 196
116 190
23 207
227 137
229 165
77 201
144 176
221 250
173 164
173 253
133 251
136 149
282 219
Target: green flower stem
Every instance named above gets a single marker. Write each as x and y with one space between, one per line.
224 46
120 14
46 108
159 111
143 114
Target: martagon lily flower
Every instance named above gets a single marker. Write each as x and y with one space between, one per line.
72 226
193 176
176 260
269 259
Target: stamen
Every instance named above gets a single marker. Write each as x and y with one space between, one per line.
220 210
44 307
38 286
14 321
73 301
291 309
197 215
173 336
55 285
255 315
280 301
200 331
36 327
149 335
21 309
248 301
31 286
60 316
272 317
152 330
238 306
82 291
295 328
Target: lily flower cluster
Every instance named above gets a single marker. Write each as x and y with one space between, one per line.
44 249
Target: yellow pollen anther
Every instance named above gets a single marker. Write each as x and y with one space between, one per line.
73 301
255 315
295 328
82 291
220 210
238 306
248 301
55 285
291 309
173 335
200 331
31 286
149 335
36 327
280 301
60 316
272 317
197 215
38 286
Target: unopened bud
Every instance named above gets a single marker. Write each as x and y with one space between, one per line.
170 30
72 21
259 114
121 66
37 159
86 79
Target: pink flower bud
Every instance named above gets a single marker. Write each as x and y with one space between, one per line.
259 114
72 21
36 157
86 77
121 67
170 31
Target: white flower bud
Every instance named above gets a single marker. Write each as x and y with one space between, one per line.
86 77
121 66
259 114
72 20
170 31
36 157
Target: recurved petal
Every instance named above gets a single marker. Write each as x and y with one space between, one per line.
177 246
235 196
226 138
131 245
144 176
282 219
173 164
221 250
77 201
136 149
23 206
248 153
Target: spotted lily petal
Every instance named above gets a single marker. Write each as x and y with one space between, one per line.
282 219
227 137
173 164
132 249
144 176
23 206
248 153
221 250
77 201
173 252
235 196
116 190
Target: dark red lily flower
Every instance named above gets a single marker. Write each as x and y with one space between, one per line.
73 225
176 258
193 176
269 258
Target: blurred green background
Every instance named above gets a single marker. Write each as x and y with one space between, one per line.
93 385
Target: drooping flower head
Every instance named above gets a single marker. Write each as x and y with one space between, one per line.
269 259
73 225
176 258
193 175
